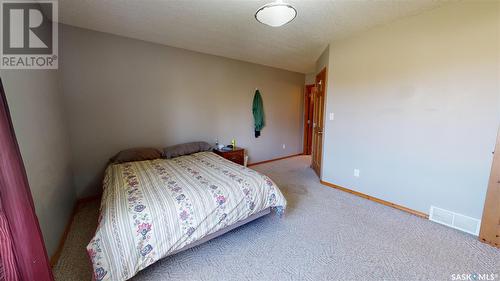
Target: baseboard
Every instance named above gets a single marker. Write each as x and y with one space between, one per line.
78 204
374 199
275 159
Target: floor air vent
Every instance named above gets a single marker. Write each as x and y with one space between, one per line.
454 220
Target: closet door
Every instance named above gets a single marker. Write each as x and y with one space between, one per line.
490 224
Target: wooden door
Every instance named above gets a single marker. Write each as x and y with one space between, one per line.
319 107
490 224
308 118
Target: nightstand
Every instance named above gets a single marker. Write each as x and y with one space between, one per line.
237 155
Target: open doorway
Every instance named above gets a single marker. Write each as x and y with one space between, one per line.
308 118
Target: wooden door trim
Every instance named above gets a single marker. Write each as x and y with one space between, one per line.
317 165
326 78
490 222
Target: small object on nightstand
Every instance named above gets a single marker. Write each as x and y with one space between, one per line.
218 145
236 155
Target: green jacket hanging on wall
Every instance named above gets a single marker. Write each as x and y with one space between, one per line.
258 113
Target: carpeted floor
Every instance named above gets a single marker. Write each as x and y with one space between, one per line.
326 234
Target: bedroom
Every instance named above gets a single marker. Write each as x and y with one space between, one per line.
403 139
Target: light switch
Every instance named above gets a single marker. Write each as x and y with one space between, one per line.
332 116
356 173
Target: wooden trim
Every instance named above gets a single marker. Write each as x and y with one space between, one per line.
79 203
490 222
57 253
272 160
319 116
374 199
493 244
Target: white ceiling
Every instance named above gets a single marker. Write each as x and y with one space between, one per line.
228 28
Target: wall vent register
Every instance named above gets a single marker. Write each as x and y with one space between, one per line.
455 220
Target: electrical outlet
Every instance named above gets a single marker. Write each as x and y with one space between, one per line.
356 173
284 146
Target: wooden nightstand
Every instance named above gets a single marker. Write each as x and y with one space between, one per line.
237 155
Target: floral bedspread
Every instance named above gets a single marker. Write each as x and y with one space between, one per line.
150 209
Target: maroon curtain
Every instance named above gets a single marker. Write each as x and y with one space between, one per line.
8 268
31 258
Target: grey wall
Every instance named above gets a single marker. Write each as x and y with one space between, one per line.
36 106
417 106
123 93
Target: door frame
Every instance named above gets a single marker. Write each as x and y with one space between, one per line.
308 118
490 228
321 119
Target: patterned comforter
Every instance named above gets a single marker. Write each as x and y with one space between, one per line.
150 209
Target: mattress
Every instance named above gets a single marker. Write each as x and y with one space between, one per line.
151 209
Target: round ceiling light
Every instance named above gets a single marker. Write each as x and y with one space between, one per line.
276 13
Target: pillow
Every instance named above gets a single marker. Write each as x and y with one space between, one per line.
185 149
136 154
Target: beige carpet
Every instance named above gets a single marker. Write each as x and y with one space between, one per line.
326 234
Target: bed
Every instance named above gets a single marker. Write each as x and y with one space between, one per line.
156 208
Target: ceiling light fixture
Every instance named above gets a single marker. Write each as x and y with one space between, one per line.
276 13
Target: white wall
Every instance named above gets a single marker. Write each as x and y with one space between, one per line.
36 107
417 106
123 93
